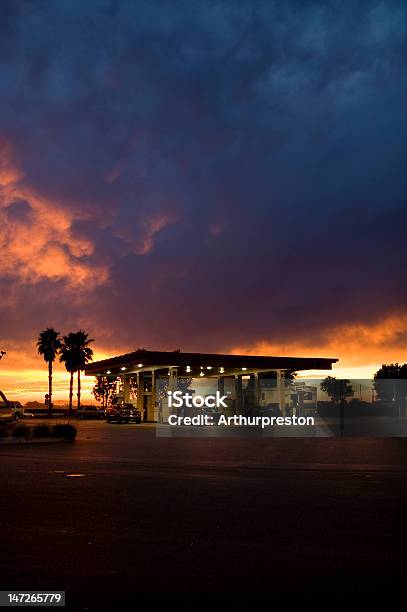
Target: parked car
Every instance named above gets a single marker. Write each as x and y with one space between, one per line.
136 415
18 410
6 413
9 411
123 413
91 412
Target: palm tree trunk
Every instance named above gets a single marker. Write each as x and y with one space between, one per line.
49 388
79 389
70 394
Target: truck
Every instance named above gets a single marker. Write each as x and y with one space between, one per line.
10 411
6 410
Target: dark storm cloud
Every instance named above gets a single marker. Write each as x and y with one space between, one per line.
209 174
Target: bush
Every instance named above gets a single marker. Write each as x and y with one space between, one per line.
42 431
67 432
3 432
21 431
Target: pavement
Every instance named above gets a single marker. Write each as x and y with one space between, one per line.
123 515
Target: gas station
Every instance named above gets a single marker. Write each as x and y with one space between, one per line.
145 377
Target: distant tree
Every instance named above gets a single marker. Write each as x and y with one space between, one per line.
133 388
390 383
83 354
385 381
48 345
336 389
104 389
69 356
2 353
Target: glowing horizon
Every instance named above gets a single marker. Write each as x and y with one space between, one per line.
31 383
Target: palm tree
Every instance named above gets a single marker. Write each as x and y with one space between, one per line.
83 354
48 345
69 356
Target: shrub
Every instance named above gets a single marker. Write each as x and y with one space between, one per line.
67 432
3 432
21 431
42 431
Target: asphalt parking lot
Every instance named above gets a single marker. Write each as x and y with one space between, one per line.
122 513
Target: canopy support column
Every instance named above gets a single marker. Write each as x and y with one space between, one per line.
172 386
257 389
238 394
126 389
140 394
281 391
153 397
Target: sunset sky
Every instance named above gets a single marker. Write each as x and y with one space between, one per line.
210 176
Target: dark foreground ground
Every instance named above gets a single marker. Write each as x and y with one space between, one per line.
122 514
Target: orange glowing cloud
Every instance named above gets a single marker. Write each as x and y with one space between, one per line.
151 227
361 349
9 174
40 244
